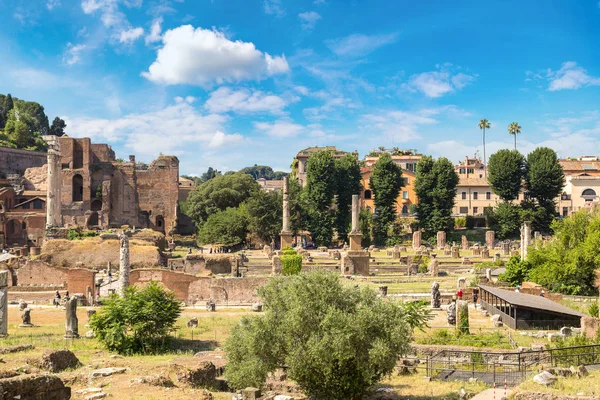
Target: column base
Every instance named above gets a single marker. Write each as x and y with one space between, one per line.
355 240
287 239
355 263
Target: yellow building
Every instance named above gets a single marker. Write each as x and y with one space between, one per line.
406 197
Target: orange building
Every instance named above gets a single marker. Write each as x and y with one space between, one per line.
406 197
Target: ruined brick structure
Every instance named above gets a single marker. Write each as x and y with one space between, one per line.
99 191
22 218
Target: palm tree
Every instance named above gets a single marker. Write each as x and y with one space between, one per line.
514 129
484 124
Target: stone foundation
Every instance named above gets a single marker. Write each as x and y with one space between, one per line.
355 263
589 326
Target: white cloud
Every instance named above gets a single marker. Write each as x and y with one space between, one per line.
308 20
72 54
244 101
280 128
131 35
570 76
204 57
109 12
155 30
331 101
273 7
172 130
133 3
357 45
50 4
438 83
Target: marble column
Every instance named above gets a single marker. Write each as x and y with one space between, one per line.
355 235
525 238
124 265
71 321
286 233
53 196
490 239
4 303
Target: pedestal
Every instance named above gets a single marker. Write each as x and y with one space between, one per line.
355 263
355 241
286 239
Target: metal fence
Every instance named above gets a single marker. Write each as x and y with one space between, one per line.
509 367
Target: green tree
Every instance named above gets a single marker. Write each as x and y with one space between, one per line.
386 182
505 220
17 130
219 193
209 174
505 173
335 340
7 106
58 127
365 221
139 322
483 125
517 271
319 191
265 215
435 186
514 129
348 183
227 228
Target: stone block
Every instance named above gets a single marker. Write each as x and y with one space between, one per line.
250 393
34 387
355 263
59 360
544 378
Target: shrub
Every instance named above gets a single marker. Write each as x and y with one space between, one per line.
73 234
423 265
469 222
460 222
139 322
336 340
593 309
288 251
393 240
291 262
516 271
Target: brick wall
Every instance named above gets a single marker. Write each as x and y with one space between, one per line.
206 265
589 326
191 288
13 161
38 273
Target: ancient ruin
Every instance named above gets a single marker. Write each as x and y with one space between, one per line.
436 298
71 321
441 240
525 238
356 260
124 265
3 303
416 241
286 233
25 315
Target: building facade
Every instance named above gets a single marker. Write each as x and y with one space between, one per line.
582 185
300 162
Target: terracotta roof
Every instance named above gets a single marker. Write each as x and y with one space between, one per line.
580 165
471 181
530 301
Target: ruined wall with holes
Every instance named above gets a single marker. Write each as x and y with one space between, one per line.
189 288
13 161
40 274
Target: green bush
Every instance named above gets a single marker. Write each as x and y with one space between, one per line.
291 263
469 222
336 340
460 222
73 234
393 240
516 271
593 309
139 322
288 251
423 265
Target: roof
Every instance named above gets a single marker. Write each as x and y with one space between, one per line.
498 271
40 193
29 201
530 301
579 165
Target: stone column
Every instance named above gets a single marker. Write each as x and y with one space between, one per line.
416 240
71 321
3 303
525 238
434 266
124 265
441 240
464 242
490 238
286 233
53 197
355 235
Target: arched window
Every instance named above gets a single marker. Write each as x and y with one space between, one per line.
160 223
92 220
77 187
588 192
368 195
405 209
38 204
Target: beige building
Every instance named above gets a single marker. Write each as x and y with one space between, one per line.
407 160
582 184
270 185
301 161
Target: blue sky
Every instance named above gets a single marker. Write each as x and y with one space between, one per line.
232 83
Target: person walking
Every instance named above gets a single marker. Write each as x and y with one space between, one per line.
475 297
57 299
459 294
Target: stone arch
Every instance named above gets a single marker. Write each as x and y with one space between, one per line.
77 187
92 220
96 205
160 223
588 193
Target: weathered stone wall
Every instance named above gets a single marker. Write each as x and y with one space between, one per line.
190 288
199 264
41 274
13 161
590 326
36 178
47 387
550 396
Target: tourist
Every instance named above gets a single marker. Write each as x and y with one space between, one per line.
67 295
475 296
518 289
57 299
459 294
542 294
109 277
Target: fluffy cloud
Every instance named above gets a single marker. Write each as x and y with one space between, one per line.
280 128
131 35
108 10
357 45
204 57
72 54
175 129
308 20
438 83
273 7
244 101
155 30
570 76
50 4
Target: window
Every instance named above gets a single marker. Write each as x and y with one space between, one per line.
368 195
77 188
488 195
405 181
405 194
588 192
24 225
475 210
461 171
37 204
26 206
470 170
464 210
405 209
565 212
464 195
475 195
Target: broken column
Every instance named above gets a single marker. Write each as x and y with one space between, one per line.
455 252
434 265
124 265
464 242
53 197
441 240
525 238
485 253
416 242
490 238
286 233
3 303
71 322
356 260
